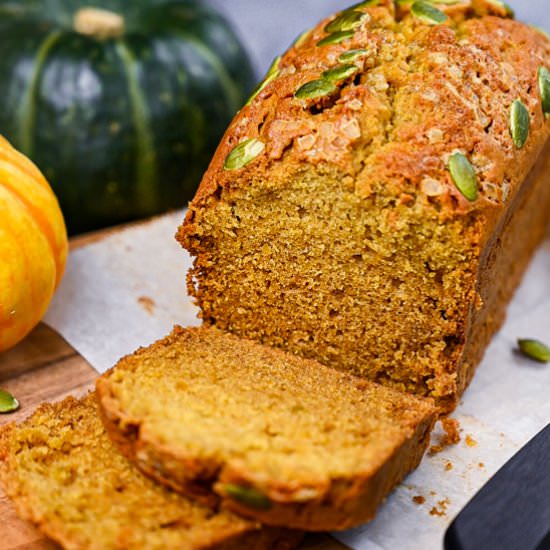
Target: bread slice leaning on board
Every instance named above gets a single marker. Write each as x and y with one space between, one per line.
269 435
64 474
375 205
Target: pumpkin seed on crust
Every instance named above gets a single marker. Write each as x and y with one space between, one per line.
346 21
243 154
340 72
8 403
315 89
352 55
428 13
544 88
464 176
248 496
301 38
519 123
336 38
534 349
272 73
274 67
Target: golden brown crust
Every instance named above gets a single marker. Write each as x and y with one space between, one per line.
349 502
205 468
460 78
383 140
36 471
505 259
186 476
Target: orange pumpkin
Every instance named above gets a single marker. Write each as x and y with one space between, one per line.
33 245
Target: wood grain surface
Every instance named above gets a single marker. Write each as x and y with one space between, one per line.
45 368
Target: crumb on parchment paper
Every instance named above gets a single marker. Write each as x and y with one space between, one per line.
451 436
147 303
433 506
441 508
470 441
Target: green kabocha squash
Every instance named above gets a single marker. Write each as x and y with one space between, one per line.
119 102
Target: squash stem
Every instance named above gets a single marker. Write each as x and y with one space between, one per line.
99 23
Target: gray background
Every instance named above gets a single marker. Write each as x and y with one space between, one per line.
268 27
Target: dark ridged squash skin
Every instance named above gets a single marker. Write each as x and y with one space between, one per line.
124 126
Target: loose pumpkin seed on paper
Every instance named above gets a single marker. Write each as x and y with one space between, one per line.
8 403
534 349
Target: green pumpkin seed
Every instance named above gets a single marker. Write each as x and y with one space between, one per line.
544 87
250 497
336 38
301 39
534 349
519 123
464 176
243 154
272 73
347 21
8 403
500 4
341 72
428 13
315 89
274 67
352 55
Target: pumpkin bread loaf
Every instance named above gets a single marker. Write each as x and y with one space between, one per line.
65 476
270 435
390 168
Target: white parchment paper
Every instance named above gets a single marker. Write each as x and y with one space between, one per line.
123 292
129 289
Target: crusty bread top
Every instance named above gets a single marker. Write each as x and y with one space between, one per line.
221 407
64 475
422 92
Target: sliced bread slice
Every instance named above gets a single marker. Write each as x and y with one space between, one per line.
275 437
64 475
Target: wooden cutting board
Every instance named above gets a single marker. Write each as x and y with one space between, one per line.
45 368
